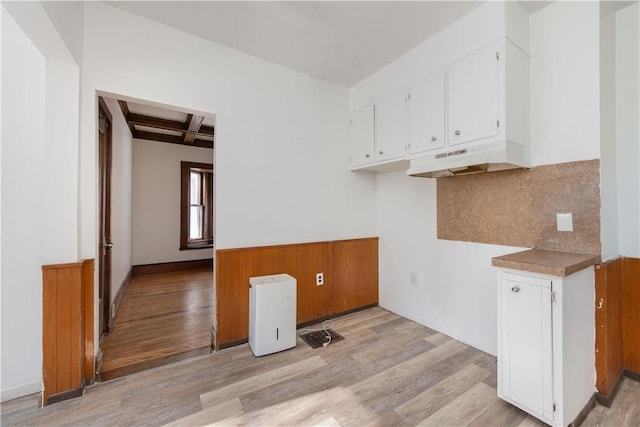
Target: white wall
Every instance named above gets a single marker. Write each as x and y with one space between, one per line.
23 161
121 198
68 19
565 96
627 93
456 291
40 83
608 173
281 136
156 201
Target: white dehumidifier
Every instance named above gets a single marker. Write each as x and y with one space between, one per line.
272 313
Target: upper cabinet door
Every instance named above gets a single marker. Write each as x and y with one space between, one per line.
361 137
391 126
426 113
473 97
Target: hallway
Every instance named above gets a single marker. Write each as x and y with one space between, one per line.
163 318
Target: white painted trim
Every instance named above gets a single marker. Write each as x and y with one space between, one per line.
20 391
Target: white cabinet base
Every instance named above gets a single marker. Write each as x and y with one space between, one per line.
546 343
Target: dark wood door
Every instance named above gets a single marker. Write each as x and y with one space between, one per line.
104 243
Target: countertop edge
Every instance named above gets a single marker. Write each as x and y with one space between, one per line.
526 261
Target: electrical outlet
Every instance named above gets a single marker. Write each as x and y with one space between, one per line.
413 279
319 279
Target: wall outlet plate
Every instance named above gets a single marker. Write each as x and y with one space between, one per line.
319 279
413 279
564 221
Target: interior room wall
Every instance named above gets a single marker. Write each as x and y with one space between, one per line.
156 201
40 113
281 136
627 127
456 291
121 209
608 158
23 160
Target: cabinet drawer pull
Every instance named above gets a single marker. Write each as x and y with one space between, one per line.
515 289
433 138
457 132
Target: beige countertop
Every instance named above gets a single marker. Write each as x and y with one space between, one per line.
555 263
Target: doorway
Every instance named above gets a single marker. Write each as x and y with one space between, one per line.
161 304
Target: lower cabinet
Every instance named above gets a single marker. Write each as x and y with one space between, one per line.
546 334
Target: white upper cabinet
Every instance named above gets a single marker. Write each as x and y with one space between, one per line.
473 97
390 126
479 100
361 137
426 107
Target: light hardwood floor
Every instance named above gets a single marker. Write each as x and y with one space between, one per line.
163 318
387 371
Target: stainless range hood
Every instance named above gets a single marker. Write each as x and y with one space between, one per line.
495 156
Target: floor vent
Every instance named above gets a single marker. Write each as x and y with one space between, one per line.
318 339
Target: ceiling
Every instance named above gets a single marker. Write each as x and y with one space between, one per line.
338 41
165 125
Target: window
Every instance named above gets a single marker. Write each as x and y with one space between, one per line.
196 205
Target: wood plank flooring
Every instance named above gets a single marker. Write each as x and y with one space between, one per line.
388 371
163 318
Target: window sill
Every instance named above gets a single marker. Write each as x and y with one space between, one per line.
193 246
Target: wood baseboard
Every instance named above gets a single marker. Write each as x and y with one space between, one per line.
606 400
122 291
171 267
633 375
59 397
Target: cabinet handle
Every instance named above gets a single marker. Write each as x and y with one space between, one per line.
380 152
367 156
457 132
433 138
515 289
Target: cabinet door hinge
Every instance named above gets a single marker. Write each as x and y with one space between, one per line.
554 406
498 55
498 123
553 298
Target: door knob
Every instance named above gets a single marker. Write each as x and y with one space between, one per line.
457 132
108 245
433 138
380 152
515 289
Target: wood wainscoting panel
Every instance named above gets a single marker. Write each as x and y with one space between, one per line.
350 269
355 273
631 314
608 316
63 333
617 325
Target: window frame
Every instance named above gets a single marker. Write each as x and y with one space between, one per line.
185 205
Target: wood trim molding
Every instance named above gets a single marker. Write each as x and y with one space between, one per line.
170 267
122 291
88 271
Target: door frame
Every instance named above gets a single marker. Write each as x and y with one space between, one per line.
105 160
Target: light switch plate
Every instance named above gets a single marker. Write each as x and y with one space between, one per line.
564 221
